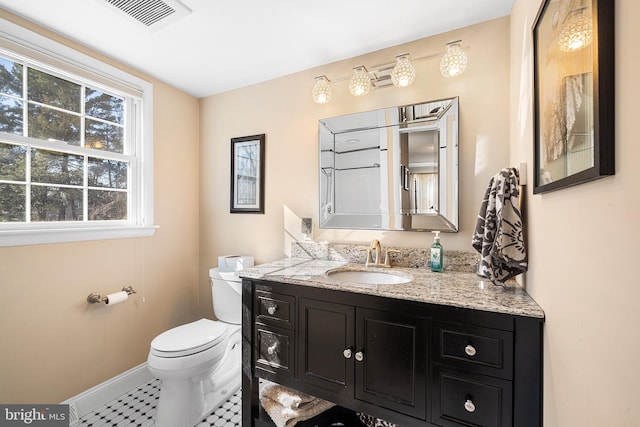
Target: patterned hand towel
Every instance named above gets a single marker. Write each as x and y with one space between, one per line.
499 234
287 407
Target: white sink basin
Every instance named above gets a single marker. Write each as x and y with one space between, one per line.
369 277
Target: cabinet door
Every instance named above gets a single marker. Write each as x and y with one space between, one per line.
391 359
326 332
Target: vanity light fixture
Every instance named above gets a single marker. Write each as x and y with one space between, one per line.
576 32
404 73
454 61
360 83
321 91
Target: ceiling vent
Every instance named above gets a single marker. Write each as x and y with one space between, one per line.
152 14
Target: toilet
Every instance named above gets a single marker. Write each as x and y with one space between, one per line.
199 363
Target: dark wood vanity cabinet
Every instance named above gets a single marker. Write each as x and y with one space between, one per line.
414 364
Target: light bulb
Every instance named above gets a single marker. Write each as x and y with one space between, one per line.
576 33
454 61
404 73
360 83
321 91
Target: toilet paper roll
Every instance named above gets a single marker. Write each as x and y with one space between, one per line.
116 298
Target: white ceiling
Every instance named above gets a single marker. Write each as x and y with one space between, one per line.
227 44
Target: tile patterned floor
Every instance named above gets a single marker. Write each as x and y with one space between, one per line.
138 407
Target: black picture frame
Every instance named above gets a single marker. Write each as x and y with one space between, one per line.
247 174
574 92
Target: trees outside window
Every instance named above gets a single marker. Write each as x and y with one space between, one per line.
75 146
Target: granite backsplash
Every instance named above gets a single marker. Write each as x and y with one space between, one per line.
461 261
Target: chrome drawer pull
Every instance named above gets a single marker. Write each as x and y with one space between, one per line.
469 406
272 309
359 356
347 353
470 350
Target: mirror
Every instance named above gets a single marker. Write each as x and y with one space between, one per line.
391 169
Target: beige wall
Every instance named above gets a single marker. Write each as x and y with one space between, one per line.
54 345
584 250
284 111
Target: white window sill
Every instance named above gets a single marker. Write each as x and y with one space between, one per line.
45 236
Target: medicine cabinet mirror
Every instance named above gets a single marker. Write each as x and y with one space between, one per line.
391 169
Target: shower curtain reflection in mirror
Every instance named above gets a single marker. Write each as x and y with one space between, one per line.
424 192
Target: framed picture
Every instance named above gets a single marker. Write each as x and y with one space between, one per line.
573 43
247 174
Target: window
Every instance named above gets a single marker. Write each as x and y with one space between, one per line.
75 146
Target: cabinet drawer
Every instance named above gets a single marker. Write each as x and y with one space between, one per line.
483 350
472 400
274 349
275 309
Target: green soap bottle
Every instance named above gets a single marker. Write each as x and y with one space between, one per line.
437 253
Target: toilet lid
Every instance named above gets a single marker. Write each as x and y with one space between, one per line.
189 339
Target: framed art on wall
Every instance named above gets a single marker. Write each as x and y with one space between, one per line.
573 93
247 174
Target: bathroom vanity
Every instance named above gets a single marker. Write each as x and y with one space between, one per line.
446 349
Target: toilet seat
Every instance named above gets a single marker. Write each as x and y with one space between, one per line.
189 339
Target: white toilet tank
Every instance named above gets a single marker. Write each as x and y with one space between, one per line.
226 290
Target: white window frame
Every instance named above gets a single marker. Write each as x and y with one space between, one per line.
19 41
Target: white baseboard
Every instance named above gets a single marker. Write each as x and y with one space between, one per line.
92 399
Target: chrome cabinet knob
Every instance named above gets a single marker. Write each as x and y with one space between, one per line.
272 349
359 356
470 350
347 353
469 406
272 309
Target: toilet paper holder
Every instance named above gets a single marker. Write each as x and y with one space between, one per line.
95 297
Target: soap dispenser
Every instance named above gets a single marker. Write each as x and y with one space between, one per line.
437 253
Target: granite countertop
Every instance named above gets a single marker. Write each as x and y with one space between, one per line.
451 288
